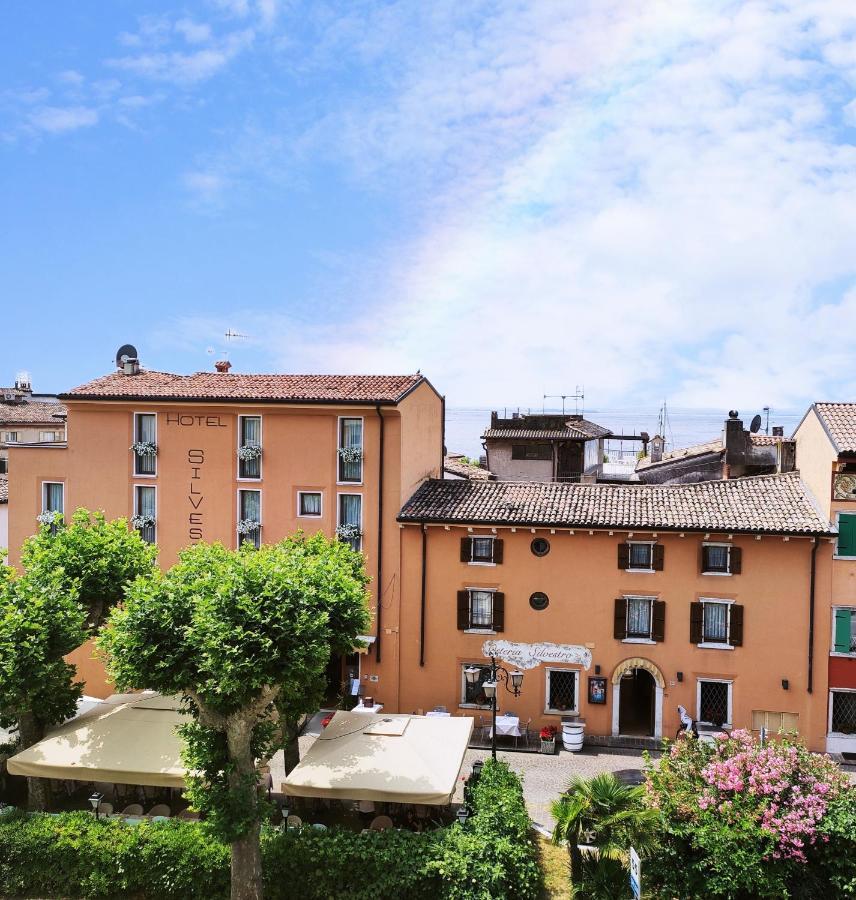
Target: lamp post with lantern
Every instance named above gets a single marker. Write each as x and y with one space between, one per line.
513 683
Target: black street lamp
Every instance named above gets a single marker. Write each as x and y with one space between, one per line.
513 682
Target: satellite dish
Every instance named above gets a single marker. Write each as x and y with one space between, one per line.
124 353
756 425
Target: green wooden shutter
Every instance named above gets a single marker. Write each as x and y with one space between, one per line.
842 630
463 610
846 535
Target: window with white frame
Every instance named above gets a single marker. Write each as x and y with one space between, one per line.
640 555
145 512
473 694
715 622
309 504
845 544
145 444
720 559
714 701
481 609
481 549
562 691
639 617
842 712
49 437
53 502
351 450
350 527
844 630
250 447
250 517
10 437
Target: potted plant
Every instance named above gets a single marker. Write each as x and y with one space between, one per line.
548 739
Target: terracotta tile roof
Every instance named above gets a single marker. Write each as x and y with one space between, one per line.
31 412
774 504
4 489
454 466
152 385
839 420
580 429
714 446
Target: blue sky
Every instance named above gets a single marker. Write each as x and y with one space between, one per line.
654 199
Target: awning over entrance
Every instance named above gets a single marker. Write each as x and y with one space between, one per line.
389 758
126 739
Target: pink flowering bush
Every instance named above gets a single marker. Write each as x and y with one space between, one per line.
742 820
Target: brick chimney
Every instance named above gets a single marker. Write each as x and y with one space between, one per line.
657 445
222 366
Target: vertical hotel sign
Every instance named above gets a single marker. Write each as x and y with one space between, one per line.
195 460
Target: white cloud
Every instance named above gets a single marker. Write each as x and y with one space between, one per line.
58 119
193 32
71 77
206 186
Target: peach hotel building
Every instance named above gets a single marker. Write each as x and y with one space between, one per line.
716 596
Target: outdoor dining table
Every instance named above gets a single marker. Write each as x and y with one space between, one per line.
507 726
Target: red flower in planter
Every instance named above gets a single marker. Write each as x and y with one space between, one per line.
549 732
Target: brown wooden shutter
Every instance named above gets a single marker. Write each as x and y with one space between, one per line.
623 556
466 550
497 549
463 610
498 611
658 557
735 626
658 621
736 559
620 625
696 622
702 559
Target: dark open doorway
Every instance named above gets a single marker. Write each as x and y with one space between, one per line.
636 703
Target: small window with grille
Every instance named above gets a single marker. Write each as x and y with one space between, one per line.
714 702
473 694
843 713
562 687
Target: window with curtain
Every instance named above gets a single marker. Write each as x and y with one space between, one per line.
482 549
351 514
54 497
481 609
145 432
639 617
251 511
351 443
715 623
715 558
310 503
145 506
250 436
640 556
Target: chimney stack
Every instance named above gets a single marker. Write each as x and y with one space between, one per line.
222 366
657 445
23 383
778 431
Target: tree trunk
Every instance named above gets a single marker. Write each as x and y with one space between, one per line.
38 789
291 750
246 850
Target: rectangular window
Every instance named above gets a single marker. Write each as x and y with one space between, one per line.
639 617
531 451
640 556
53 499
715 559
309 503
562 687
145 439
774 722
350 450
48 437
844 630
843 712
481 609
350 528
250 517
714 702
482 549
11 437
249 437
145 507
846 543
715 628
473 694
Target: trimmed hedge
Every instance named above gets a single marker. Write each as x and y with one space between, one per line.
493 857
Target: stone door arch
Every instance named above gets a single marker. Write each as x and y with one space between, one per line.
628 665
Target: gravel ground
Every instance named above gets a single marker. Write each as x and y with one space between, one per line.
544 777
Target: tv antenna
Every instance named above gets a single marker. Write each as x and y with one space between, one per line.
578 397
234 335
767 424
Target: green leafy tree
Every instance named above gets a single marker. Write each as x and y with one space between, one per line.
40 622
98 556
604 813
245 635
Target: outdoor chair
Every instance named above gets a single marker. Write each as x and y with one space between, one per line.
381 823
293 821
105 809
133 809
161 809
524 733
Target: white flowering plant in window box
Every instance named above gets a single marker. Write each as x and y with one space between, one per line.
350 454
140 521
247 526
49 517
145 448
348 532
249 452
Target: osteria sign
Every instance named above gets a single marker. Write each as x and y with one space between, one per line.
528 656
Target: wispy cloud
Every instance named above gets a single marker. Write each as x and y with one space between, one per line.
58 119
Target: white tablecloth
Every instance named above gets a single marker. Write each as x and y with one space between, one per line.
437 714
368 709
507 726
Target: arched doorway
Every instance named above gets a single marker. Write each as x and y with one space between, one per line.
637 699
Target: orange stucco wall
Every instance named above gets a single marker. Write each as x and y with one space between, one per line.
581 578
